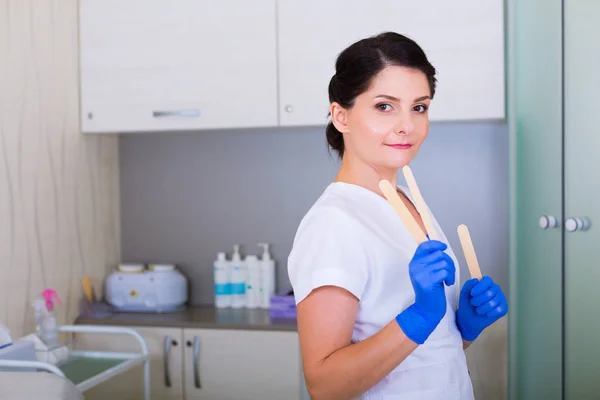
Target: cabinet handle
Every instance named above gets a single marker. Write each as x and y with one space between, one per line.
167 350
577 224
197 383
549 222
176 113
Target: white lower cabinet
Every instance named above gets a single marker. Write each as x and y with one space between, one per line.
241 365
166 364
207 364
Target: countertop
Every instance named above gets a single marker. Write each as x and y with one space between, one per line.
198 317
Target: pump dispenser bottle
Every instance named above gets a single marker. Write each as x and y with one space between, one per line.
267 276
238 279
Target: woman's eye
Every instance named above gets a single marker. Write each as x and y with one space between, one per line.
420 108
384 107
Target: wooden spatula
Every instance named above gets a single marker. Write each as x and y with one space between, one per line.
391 194
420 203
469 251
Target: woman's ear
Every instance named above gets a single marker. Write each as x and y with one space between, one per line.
339 117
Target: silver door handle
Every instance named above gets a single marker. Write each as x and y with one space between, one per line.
176 113
195 362
549 222
166 352
577 224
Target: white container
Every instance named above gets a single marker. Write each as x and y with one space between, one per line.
238 279
253 282
132 268
222 278
267 277
160 288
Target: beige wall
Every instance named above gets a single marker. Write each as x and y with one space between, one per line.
58 189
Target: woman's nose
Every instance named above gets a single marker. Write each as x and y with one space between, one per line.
405 124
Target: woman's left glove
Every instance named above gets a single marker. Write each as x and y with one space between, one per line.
481 304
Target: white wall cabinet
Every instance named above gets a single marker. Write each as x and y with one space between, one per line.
462 39
167 65
207 364
151 65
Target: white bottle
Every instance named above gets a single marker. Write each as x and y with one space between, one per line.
252 282
45 322
222 277
267 277
49 330
238 279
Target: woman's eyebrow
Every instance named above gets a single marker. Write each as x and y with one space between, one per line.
392 98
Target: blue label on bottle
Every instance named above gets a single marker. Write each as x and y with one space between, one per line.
238 288
221 289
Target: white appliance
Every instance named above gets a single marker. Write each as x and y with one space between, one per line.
160 288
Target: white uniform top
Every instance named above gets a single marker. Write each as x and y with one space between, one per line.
352 238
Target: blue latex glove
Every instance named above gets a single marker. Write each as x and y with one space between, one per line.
481 304
429 268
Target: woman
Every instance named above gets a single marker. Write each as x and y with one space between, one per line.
379 316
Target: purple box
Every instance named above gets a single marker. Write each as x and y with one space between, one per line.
282 307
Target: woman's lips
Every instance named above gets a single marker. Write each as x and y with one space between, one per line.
400 146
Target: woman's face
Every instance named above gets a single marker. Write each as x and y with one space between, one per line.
388 123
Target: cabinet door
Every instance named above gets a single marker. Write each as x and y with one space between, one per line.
166 375
582 198
149 65
536 118
463 40
241 365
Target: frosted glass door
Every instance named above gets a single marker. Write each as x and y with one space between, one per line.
582 198
535 318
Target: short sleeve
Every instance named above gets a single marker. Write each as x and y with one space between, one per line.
328 251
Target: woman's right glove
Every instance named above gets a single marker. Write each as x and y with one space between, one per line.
481 303
429 268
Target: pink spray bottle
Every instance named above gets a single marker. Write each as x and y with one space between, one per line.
47 322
